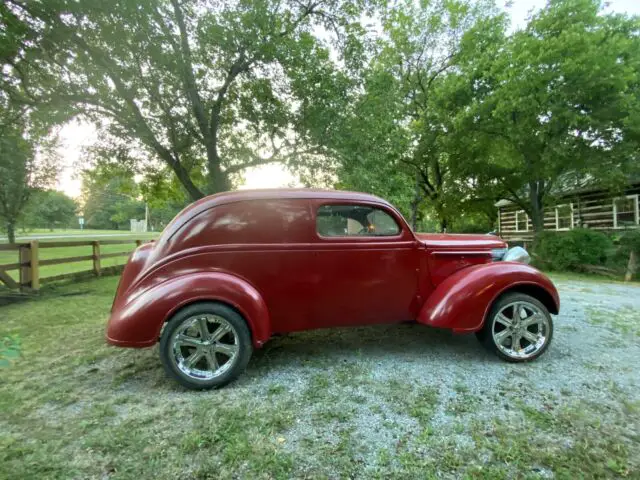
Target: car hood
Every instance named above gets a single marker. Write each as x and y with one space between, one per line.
460 241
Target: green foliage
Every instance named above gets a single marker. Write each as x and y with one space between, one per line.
206 88
110 200
472 222
557 103
627 242
398 138
572 250
21 170
49 209
630 242
443 113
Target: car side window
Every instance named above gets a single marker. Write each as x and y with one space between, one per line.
354 221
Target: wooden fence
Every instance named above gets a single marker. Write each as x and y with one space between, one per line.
29 262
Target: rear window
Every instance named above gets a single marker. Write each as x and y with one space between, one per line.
355 221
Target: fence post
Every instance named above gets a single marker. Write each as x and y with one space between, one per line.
35 265
96 258
25 267
138 243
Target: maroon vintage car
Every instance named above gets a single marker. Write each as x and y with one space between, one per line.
233 269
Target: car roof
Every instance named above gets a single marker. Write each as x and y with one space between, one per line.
287 193
223 198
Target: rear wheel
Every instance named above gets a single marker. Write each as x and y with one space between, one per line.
205 345
518 328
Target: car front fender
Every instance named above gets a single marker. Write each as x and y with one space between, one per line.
462 301
136 320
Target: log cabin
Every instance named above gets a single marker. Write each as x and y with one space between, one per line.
586 207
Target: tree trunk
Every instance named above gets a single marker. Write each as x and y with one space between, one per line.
537 209
218 180
414 216
415 205
11 231
632 267
443 225
185 180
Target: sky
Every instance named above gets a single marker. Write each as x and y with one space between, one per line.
76 135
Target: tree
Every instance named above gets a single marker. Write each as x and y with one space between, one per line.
558 101
26 163
208 89
110 200
50 209
397 138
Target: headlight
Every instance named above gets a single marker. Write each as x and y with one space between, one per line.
517 254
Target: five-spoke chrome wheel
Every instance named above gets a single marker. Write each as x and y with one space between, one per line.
518 328
205 345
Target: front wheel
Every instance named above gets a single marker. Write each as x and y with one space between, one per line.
205 345
518 328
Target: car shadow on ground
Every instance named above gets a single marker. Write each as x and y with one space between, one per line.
408 341
389 347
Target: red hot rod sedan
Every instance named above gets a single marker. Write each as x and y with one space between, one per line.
233 269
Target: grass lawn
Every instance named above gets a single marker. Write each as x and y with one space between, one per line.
360 403
588 277
7 257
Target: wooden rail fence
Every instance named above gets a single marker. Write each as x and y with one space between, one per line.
29 261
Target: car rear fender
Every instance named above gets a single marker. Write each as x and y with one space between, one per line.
462 301
138 320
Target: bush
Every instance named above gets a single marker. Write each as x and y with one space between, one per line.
630 242
572 250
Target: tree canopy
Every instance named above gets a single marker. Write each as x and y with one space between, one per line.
50 209
28 162
435 105
556 103
208 89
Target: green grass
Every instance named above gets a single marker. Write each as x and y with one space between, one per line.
625 320
66 413
585 277
73 407
8 257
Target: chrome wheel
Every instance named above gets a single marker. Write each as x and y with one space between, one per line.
520 330
204 346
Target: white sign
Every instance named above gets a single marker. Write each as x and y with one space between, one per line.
81 220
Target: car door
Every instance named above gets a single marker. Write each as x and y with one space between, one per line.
365 265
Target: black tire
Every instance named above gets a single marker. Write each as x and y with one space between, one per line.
486 337
241 344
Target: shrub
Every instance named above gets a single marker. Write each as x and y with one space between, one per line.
628 242
572 250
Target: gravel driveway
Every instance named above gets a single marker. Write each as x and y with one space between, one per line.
378 377
399 401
